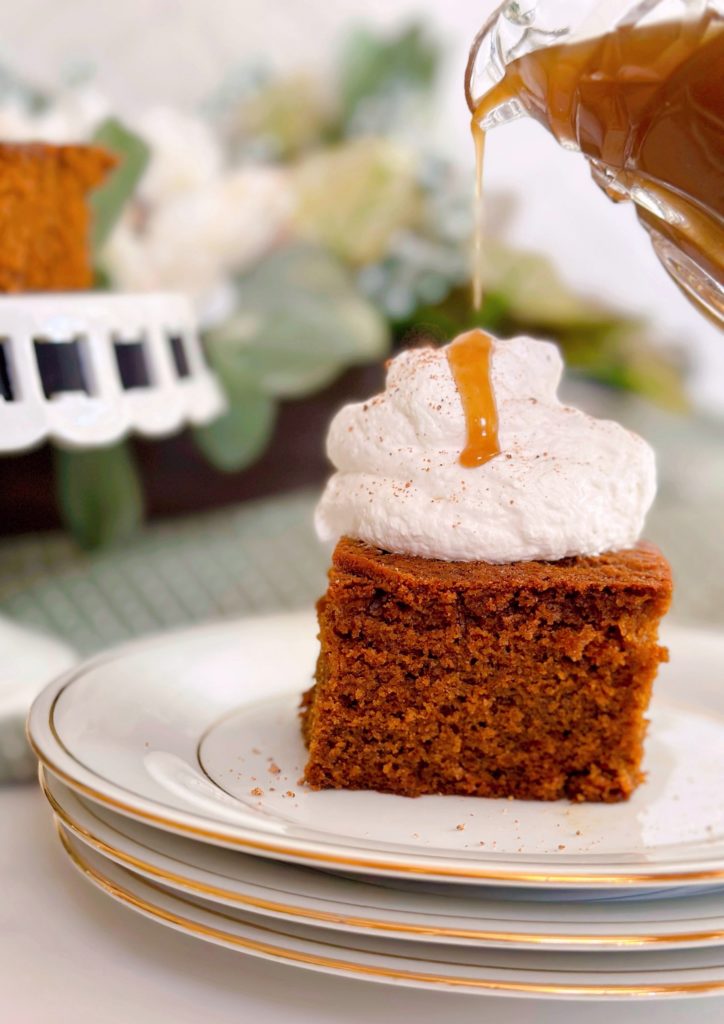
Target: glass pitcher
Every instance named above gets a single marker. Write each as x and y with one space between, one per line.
638 88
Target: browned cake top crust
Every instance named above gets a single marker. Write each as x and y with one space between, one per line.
642 567
89 164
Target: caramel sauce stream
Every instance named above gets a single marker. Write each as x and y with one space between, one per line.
479 215
469 357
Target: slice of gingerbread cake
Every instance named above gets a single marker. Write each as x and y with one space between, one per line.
491 622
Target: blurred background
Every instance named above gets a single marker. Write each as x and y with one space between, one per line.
305 173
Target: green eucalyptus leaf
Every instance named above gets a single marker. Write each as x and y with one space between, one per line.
300 321
107 202
237 438
373 67
99 494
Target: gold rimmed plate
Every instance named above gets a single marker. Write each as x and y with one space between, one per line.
492 918
197 732
611 976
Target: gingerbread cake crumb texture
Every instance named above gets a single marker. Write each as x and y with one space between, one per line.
44 215
527 680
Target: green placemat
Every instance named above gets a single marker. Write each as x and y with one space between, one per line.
260 557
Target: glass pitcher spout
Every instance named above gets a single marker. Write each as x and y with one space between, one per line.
638 89
518 27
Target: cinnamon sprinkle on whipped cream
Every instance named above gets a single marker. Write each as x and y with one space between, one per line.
563 484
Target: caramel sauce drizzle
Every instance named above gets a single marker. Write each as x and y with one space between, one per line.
469 357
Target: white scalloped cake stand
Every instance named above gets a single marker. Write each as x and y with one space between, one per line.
84 369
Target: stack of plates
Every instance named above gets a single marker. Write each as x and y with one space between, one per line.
173 767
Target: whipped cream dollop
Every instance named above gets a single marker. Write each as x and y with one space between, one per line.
563 484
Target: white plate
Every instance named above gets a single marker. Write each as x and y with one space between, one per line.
197 732
484 971
292 893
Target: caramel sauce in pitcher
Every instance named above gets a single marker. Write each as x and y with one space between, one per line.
645 105
469 357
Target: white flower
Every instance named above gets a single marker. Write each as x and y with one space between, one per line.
193 239
185 155
195 224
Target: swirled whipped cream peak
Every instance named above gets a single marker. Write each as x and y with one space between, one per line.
563 483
